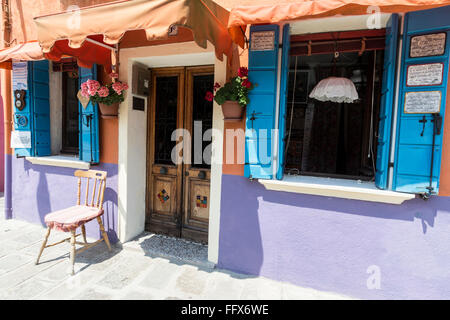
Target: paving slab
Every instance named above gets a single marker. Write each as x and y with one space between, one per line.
148 267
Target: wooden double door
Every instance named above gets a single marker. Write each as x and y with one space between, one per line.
179 152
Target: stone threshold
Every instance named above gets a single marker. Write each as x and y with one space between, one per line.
176 250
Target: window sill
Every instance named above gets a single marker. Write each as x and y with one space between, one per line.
65 161
339 188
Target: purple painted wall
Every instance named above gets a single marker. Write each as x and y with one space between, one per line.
38 190
329 243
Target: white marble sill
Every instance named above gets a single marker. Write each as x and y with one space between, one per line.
338 188
66 161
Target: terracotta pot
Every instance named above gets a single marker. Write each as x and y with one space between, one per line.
232 111
108 112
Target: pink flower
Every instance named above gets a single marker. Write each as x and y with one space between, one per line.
216 86
209 96
242 72
114 75
117 87
246 84
124 86
93 85
103 92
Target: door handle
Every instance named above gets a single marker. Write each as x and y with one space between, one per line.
163 170
202 174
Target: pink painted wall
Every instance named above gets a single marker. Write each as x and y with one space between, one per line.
2 149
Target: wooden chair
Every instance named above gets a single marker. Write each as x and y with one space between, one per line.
69 219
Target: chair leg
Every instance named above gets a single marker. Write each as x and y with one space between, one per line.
72 251
43 245
83 230
104 234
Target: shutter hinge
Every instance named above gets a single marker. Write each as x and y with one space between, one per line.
280 46
390 165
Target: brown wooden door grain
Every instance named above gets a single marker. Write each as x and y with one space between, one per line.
178 193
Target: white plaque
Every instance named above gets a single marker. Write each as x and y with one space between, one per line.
423 102
20 76
263 41
427 45
21 139
425 74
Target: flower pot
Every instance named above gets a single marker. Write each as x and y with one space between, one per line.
232 111
109 111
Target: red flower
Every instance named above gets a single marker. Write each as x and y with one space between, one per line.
242 72
246 84
216 86
209 96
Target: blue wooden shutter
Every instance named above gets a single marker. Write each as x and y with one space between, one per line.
387 103
35 116
88 122
283 100
413 156
23 119
260 113
40 95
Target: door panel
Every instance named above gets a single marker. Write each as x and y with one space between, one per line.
197 173
178 195
165 179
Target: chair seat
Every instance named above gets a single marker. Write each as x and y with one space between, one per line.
71 218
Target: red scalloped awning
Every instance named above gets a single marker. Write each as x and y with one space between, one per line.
66 33
245 12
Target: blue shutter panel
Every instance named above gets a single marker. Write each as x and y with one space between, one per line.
88 122
260 113
387 103
413 149
23 119
41 106
283 100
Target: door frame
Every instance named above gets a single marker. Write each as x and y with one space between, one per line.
184 120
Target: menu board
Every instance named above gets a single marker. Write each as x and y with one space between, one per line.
423 102
425 74
427 45
263 41
20 76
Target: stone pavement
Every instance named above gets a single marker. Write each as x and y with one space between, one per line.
150 267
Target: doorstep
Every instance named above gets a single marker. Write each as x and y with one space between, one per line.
174 249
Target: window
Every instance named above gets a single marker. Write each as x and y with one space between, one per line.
328 138
50 112
70 114
398 134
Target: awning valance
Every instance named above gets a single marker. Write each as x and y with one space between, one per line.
245 12
25 51
207 20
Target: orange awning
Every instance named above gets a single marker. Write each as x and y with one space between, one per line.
26 52
206 19
245 12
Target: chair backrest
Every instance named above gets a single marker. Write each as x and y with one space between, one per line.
97 196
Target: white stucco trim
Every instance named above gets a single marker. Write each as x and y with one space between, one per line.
339 188
60 161
220 72
133 136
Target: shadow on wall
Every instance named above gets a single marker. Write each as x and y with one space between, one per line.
329 243
55 188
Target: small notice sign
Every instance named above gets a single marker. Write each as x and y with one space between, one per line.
423 102
263 41
425 74
21 139
20 76
428 45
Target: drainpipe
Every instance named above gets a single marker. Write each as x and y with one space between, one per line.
5 84
6 96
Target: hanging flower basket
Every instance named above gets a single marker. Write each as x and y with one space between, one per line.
233 96
107 96
109 111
